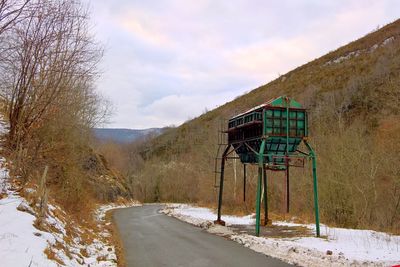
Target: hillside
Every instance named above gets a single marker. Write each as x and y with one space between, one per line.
353 97
123 135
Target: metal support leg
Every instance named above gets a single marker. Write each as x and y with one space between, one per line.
259 182
287 187
244 182
265 182
258 200
221 187
314 169
315 181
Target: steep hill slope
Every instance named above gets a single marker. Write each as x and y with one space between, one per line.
353 95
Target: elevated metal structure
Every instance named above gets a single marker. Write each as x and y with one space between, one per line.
269 135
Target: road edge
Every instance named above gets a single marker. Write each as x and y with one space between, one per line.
116 238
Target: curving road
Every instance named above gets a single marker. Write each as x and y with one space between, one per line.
153 239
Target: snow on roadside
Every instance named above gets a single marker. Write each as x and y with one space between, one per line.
348 246
198 213
102 210
21 244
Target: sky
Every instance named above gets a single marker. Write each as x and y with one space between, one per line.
167 61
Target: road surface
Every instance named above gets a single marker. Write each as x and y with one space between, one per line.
153 239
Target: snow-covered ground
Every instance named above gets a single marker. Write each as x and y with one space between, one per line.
22 244
102 210
346 246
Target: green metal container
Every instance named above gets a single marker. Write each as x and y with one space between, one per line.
282 122
269 135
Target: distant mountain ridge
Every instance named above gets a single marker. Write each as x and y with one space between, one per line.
122 135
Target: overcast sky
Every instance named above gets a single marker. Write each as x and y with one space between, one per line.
168 60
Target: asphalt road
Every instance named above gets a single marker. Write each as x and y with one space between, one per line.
153 239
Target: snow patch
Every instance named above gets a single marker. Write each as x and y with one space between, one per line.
102 210
20 242
358 52
388 41
198 215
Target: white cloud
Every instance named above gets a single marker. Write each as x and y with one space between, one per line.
265 60
144 29
174 110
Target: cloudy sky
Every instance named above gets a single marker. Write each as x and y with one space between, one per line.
168 60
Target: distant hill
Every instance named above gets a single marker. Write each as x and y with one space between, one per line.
124 135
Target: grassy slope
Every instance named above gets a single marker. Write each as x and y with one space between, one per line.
363 88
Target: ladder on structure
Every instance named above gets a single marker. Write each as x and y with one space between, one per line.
222 143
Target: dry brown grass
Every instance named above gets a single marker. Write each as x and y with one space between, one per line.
52 256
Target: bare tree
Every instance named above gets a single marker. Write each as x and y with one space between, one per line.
51 58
